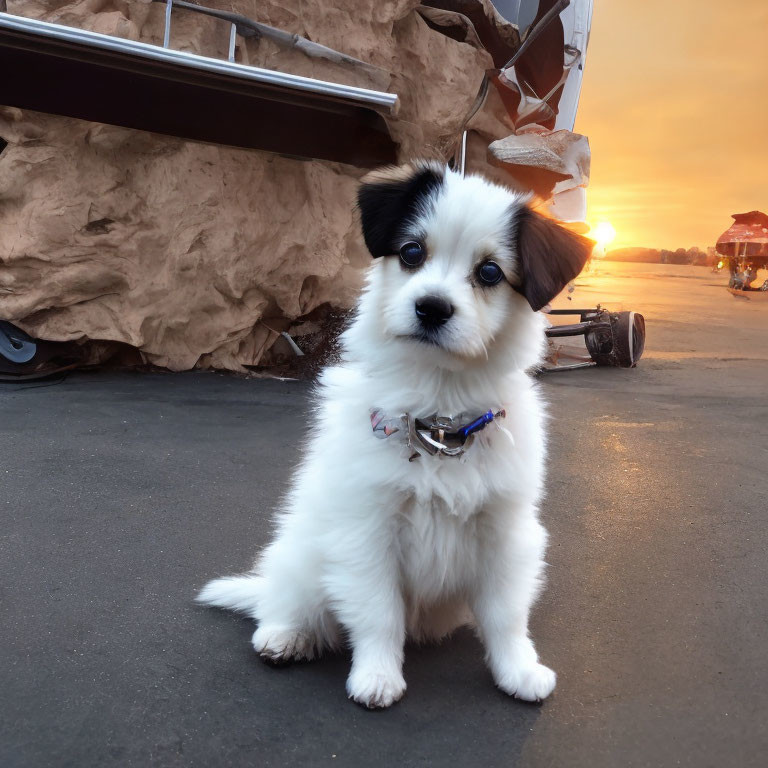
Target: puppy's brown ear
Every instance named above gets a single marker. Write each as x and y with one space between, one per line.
549 256
390 197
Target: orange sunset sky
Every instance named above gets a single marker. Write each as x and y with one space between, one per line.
675 104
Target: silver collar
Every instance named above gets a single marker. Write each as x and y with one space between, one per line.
443 435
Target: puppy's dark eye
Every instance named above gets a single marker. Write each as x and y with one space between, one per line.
489 273
412 254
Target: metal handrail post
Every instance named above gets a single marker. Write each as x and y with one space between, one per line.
167 32
232 38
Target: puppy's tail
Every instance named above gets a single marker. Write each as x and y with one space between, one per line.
238 593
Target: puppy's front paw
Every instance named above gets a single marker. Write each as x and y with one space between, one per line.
529 682
375 688
281 646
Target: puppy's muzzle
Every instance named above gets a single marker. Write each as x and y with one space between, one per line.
433 311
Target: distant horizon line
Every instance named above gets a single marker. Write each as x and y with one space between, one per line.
658 248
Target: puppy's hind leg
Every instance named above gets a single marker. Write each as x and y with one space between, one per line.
294 622
508 583
283 597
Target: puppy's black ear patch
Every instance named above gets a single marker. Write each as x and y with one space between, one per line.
549 256
389 198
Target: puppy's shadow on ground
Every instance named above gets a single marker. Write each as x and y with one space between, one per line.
451 698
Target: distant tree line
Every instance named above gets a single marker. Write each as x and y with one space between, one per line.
694 256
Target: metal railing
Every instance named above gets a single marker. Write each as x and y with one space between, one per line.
43 30
248 28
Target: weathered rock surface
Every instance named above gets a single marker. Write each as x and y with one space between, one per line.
177 248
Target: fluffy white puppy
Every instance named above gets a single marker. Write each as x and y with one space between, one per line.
405 518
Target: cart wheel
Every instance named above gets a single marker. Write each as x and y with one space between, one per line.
629 336
15 345
621 346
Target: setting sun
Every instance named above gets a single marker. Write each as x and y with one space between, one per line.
603 233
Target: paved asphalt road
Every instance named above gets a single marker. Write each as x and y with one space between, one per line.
123 493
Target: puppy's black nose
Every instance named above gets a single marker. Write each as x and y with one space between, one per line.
433 311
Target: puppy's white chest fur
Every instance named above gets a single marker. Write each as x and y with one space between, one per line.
437 547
